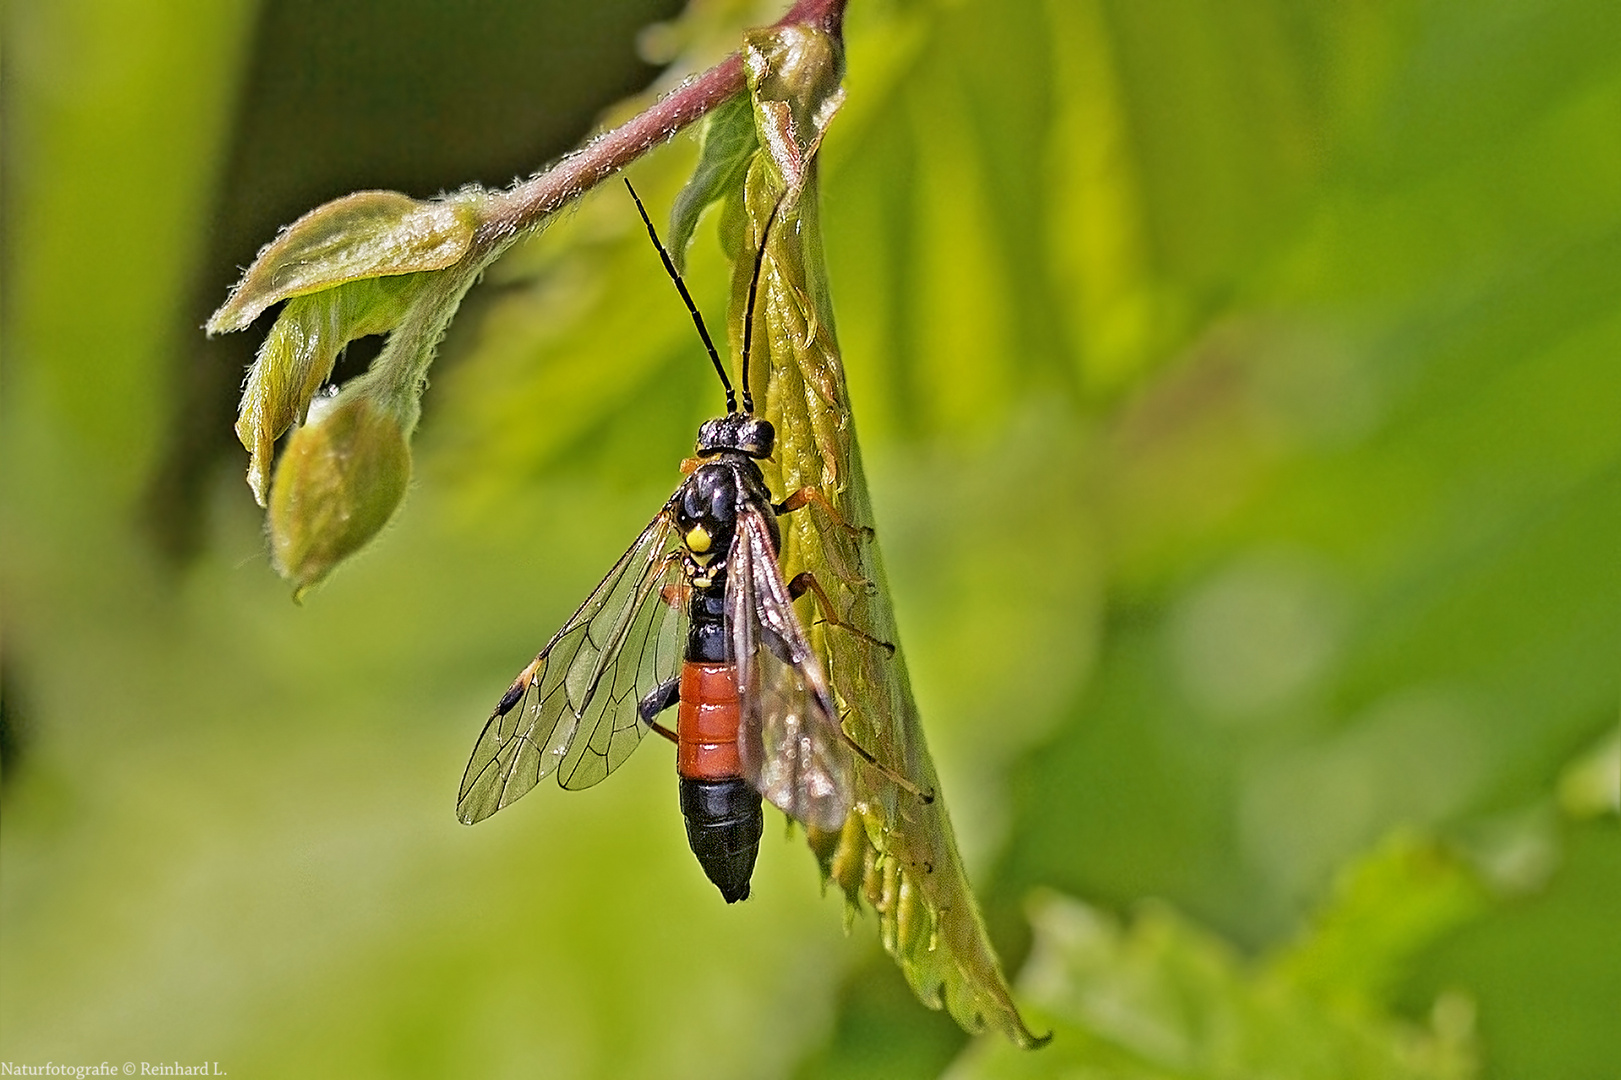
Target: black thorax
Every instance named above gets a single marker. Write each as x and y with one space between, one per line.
707 508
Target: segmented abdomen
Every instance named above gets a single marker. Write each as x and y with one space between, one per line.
723 815
706 726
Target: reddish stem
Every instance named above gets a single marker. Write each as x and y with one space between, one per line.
545 193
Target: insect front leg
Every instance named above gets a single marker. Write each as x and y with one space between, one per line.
661 697
807 495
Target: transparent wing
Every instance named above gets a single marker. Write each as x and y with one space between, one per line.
792 749
573 710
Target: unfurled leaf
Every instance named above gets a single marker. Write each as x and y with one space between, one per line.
1162 999
364 235
897 853
375 262
728 147
1385 908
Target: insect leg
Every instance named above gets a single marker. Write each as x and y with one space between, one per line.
806 582
896 778
807 495
661 697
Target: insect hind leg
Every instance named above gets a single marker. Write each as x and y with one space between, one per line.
894 777
804 582
663 696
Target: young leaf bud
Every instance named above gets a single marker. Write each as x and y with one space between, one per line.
340 480
298 354
364 235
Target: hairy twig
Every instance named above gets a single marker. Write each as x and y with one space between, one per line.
531 202
381 262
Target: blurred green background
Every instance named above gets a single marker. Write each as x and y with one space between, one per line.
1241 390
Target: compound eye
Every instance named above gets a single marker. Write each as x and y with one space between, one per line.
711 436
758 438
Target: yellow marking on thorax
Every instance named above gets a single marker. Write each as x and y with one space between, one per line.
698 540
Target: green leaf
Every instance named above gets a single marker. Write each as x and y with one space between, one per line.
1386 908
366 234
1160 998
897 852
728 147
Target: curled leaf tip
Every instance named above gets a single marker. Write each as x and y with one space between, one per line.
795 74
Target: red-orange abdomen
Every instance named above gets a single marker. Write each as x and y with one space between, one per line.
706 725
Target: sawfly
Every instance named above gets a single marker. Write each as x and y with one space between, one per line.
695 616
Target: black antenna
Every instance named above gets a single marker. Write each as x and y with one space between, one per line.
748 313
697 319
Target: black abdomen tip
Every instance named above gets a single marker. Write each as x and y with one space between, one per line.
724 824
